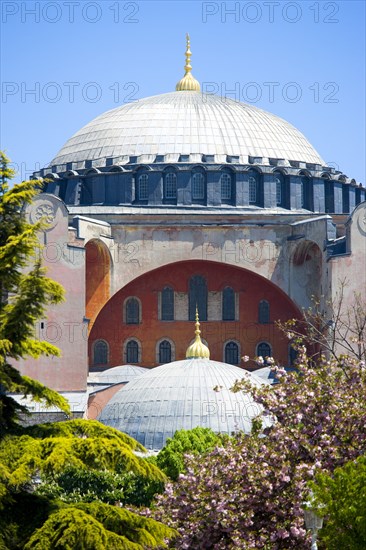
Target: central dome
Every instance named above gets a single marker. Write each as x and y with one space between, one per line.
186 123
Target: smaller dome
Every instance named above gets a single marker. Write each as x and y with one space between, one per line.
117 375
182 395
198 349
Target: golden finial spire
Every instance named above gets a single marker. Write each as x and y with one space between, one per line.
198 348
188 82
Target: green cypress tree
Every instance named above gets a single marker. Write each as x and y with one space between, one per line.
25 291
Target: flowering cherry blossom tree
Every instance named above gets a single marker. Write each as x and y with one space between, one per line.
249 493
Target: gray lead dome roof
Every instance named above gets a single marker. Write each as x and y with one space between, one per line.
123 373
181 395
187 123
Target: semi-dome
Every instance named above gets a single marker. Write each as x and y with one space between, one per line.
187 123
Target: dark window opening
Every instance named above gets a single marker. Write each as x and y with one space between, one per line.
197 298
167 304
329 196
143 188
132 312
132 352
165 352
255 189
170 187
198 187
263 312
100 353
281 198
226 188
264 350
232 353
345 199
293 353
307 199
228 304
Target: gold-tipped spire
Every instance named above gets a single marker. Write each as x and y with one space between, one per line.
198 348
188 82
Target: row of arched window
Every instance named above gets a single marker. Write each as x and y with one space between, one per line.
132 352
290 192
197 297
227 182
199 188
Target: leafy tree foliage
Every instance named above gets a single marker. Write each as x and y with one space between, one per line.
25 291
249 493
197 441
80 485
98 526
343 500
57 465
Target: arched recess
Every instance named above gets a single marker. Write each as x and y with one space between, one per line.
249 288
97 278
307 272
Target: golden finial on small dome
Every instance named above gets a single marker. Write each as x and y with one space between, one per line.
188 82
198 348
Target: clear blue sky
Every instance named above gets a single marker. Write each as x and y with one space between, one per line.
304 61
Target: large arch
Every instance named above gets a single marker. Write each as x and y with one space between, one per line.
249 289
97 283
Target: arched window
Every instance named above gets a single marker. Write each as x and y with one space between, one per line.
264 350
302 192
263 312
345 198
329 196
280 189
132 311
226 187
252 190
232 353
197 297
142 187
228 304
167 304
170 186
293 353
86 194
100 353
132 352
165 352
255 189
306 190
198 187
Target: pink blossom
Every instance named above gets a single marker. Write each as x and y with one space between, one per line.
249 493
